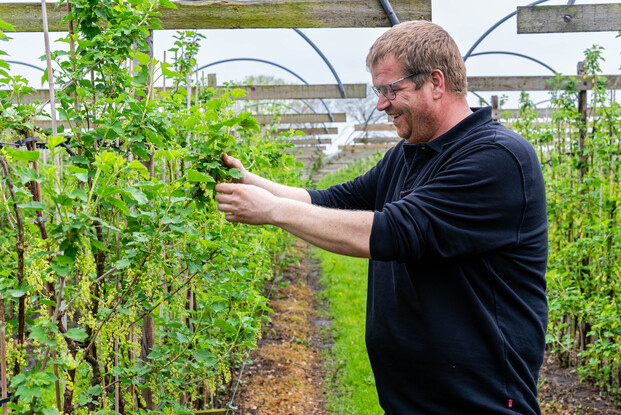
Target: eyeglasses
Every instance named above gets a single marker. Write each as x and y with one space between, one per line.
387 89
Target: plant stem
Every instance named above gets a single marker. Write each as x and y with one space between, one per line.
20 247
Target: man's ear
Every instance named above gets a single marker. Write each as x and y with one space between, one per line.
438 83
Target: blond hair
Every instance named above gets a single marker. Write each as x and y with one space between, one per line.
421 47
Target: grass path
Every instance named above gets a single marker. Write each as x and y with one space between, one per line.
350 383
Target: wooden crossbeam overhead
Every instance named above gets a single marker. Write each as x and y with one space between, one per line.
263 119
306 151
574 18
532 83
356 147
375 127
377 140
26 17
312 141
260 92
309 131
300 118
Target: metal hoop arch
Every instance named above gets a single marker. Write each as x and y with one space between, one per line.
268 63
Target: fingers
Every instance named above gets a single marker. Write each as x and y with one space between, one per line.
225 187
232 162
244 203
226 197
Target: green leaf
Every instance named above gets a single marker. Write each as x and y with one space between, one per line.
181 337
137 195
236 173
157 353
196 176
136 165
76 334
142 76
95 390
16 293
54 141
84 399
225 325
28 393
32 205
6 26
38 333
123 263
27 175
119 204
167 3
142 58
79 194
79 173
205 356
23 155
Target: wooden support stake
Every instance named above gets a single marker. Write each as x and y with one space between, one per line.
3 384
495 107
582 109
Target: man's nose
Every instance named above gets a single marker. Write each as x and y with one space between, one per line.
382 103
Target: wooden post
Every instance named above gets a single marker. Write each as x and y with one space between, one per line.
495 107
211 80
3 357
582 109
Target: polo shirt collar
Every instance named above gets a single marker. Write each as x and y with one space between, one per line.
478 117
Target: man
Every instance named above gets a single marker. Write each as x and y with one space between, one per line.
454 221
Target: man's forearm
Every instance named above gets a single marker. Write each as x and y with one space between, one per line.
345 232
277 189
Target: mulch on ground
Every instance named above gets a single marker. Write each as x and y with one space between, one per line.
285 373
562 393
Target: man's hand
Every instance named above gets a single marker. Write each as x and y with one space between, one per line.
245 203
235 164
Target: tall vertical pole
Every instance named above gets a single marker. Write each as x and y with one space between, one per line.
3 357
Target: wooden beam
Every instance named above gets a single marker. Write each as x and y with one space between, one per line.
367 147
300 118
377 140
304 151
308 131
261 118
574 18
259 92
312 141
541 112
532 83
26 17
375 127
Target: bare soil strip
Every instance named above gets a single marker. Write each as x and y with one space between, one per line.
285 376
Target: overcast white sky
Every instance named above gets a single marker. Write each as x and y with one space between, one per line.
465 20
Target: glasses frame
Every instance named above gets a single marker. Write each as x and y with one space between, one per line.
387 89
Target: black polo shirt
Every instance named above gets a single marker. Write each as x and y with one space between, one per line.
456 306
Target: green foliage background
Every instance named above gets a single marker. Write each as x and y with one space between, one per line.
580 156
123 289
